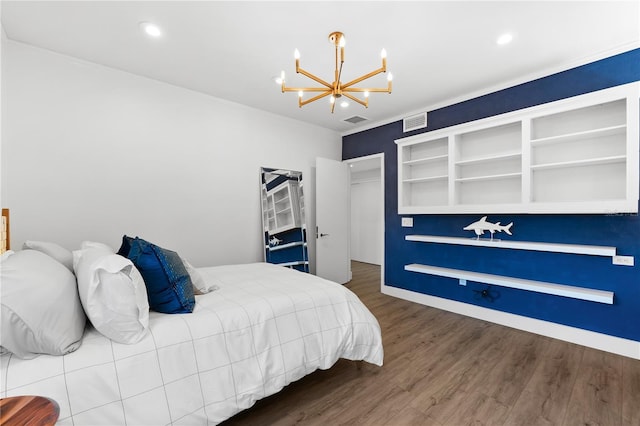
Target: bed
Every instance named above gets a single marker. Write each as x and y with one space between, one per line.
261 328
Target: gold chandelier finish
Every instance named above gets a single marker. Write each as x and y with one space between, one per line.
337 89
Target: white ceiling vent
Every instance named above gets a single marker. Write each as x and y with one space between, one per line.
355 119
418 121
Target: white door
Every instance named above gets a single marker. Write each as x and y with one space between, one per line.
332 220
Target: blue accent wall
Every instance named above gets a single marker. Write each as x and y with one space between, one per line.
622 319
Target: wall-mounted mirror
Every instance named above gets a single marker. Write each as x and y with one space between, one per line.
283 220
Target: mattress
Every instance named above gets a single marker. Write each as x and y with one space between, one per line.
265 327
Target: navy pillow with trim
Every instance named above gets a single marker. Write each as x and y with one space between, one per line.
169 287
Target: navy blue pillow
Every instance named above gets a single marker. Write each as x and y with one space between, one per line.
126 246
169 286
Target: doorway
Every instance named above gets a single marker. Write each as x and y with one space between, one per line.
367 209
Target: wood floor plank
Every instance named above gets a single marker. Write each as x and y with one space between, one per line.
544 400
513 372
450 389
478 409
444 369
376 406
410 417
596 398
630 392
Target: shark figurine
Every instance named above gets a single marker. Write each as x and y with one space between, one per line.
274 241
482 225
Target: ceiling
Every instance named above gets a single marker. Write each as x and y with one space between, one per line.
438 51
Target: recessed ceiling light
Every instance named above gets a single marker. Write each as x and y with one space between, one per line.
504 39
150 29
344 104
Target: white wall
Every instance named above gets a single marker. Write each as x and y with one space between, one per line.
366 217
92 153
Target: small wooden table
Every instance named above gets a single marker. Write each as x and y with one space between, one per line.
28 410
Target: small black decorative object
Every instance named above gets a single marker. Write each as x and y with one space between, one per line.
487 293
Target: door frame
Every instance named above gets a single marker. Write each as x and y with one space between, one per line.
379 156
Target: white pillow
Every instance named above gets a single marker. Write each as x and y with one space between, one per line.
198 281
113 294
54 250
94 244
41 312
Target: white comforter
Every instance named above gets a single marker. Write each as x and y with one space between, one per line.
266 327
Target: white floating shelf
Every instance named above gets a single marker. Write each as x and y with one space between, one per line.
582 293
518 245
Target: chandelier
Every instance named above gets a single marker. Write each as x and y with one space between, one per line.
337 89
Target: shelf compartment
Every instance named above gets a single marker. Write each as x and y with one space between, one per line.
488 142
426 151
606 251
573 292
599 182
486 190
426 191
425 170
505 166
602 115
587 148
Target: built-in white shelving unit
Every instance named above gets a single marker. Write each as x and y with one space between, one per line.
578 155
518 245
283 209
522 284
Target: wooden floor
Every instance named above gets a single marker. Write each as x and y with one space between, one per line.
442 369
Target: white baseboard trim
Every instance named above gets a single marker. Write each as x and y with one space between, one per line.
603 342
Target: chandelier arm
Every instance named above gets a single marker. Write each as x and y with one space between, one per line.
315 98
372 90
305 89
353 98
339 58
364 77
313 77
